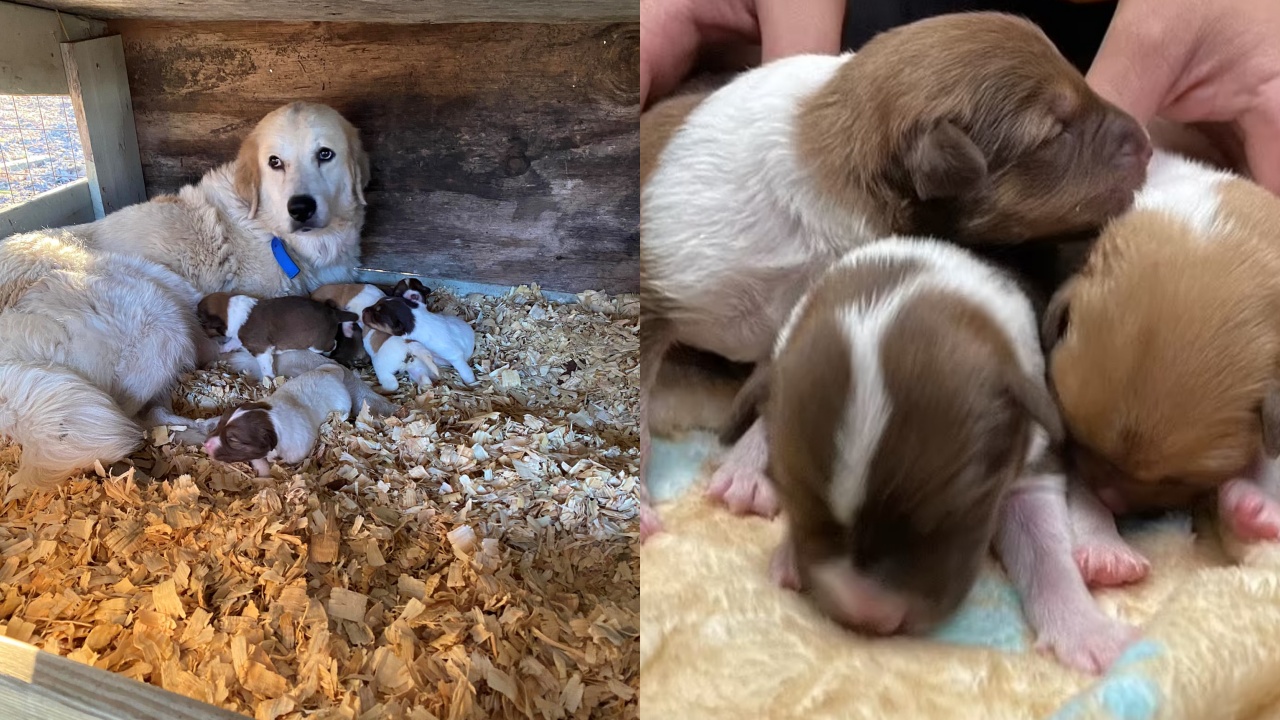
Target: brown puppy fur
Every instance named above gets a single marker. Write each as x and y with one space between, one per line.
971 127
339 293
1166 350
694 391
284 323
250 437
954 439
1036 154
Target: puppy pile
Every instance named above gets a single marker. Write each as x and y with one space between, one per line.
818 216
346 323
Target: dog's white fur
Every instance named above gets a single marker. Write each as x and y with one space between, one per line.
98 321
217 233
298 408
710 203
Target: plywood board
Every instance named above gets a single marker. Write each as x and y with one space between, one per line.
36 685
30 62
62 206
501 153
380 11
100 95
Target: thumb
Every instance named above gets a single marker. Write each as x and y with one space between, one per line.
1136 67
1260 128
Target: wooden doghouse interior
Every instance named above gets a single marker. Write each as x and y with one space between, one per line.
467 558
502 152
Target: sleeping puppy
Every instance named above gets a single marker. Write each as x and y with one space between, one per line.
908 420
284 428
449 339
1165 350
273 325
968 126
352 297
411 288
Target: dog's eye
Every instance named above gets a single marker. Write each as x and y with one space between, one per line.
324 154
275 163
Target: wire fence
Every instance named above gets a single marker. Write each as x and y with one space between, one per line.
39 146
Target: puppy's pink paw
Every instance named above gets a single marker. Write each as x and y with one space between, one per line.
650 522
1249 512
1088 644
1110 564
744 490
782 567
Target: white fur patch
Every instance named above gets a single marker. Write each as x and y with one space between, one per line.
238 309
1184 189
865 419
363 299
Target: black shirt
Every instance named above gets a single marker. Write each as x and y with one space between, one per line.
1077 29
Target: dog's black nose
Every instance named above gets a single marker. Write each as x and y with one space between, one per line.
302 207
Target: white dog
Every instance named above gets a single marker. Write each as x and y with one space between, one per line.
98 321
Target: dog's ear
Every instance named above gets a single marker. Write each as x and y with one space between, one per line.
944 163
248 178
1033 396
1057 315
1270 415
349 329
357 161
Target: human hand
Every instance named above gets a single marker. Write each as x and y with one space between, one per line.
1192 61
673 31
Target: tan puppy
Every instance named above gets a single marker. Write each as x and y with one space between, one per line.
967 126
1166 350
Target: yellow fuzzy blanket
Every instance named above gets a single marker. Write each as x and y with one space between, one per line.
718 640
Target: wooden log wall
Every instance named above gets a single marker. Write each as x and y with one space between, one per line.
501 153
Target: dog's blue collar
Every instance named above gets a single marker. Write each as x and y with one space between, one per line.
285 262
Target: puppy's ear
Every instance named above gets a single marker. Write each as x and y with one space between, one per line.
248 179
1033 395
944 163
1057 315
349 329
1270 414
357 161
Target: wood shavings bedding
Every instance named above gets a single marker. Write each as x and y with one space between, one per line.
473 556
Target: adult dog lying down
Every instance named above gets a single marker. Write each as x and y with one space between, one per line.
98 321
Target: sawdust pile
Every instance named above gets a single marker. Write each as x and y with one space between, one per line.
474 556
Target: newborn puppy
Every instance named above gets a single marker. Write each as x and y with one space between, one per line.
352 297
967 126
905 398
350 350
273 325
284 428
1165 350
411 288
447 338
392 354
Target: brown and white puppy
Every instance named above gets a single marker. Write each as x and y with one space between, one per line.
1166 350
967 126
272 325
352 297
447 338
411 288
908 419
284 428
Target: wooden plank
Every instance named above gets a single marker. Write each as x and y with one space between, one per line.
36 685
503 154
69 204
376 11
30 61
99 89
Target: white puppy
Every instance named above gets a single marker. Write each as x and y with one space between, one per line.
449 339
284 428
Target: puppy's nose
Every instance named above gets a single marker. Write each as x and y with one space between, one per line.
302 207
1131 143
